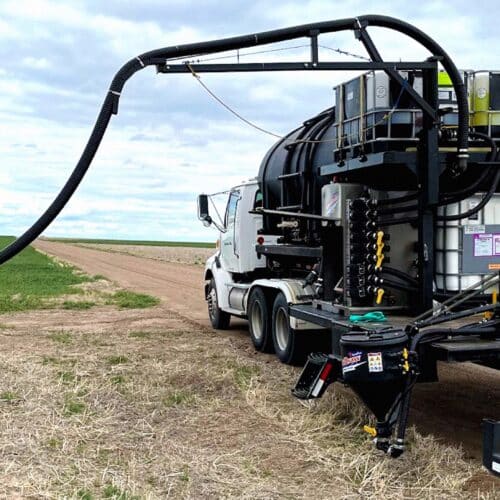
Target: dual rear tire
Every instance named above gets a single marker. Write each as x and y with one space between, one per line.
269 325
270 328
259 321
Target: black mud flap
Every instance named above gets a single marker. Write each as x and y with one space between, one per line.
491 445
318 373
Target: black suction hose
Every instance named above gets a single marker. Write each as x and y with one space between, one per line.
69 188
409 220
400 199
398 286
109 107
451 69
492 156
400 274
161 56
479 206
459 195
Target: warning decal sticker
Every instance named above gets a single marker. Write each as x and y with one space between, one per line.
483 245
496 244
375 362
486 245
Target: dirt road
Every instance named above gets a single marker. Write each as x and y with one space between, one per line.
451 409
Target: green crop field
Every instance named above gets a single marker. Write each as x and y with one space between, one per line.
32 280
193 244
30 277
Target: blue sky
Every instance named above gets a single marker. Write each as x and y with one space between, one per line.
170 141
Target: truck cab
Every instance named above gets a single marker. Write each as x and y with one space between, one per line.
239 232
239 281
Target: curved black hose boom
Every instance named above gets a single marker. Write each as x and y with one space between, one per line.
160 56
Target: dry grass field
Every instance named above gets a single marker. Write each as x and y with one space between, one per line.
129 403
182 255
142 404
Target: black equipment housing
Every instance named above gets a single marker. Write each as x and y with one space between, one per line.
491 445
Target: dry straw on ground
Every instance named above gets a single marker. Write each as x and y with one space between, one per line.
143 404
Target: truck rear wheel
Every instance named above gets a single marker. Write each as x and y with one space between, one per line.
289 345
219 318
259 322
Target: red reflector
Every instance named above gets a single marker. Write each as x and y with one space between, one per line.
260 240
326 371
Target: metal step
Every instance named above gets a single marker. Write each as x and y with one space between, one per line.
466 348
289 250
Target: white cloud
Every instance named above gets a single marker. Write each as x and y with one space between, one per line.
37 63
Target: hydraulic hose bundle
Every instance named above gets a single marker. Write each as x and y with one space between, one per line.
160 56
455 196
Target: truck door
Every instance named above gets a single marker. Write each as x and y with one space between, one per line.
229 250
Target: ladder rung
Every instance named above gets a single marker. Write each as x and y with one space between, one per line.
290 207
289 176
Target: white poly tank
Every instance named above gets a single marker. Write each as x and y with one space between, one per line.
467 249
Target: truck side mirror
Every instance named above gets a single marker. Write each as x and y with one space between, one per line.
203 214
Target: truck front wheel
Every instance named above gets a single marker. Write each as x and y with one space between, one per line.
290 345
219 318
259 322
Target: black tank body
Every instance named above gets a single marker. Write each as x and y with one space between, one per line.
289 173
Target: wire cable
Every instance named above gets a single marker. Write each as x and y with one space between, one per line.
245 54
231 110
278 136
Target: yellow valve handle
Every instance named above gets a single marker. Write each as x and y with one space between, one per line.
370 430
380 259
380 249
494 299
380 295
380 238
406 365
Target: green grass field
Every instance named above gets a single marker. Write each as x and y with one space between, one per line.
32 280
193 244
30 277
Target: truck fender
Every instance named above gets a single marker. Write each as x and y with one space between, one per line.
294 292
222 279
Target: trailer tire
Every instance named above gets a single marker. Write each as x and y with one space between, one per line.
218 318
291 346
259 321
